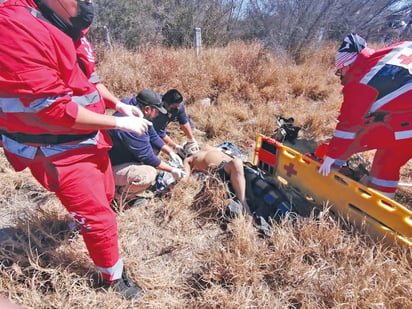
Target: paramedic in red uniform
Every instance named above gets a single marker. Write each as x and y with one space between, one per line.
376 112
51 117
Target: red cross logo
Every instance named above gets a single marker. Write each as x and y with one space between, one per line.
405 59
290 170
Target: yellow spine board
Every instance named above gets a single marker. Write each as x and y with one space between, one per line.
381 217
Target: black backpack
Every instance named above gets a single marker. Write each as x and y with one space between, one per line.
264 197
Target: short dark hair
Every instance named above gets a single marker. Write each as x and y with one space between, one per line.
172 96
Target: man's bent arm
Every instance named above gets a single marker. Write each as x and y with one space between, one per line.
169 141
187 130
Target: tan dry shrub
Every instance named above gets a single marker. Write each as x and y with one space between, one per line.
246 260
245 57
233 266
211 201
121 71
245 75
165 64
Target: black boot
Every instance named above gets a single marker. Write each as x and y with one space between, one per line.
125 287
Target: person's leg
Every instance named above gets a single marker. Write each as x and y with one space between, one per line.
84 189
133 179
234 169
385 170
376 136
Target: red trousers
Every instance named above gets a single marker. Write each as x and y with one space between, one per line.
390 156
86 188
385 170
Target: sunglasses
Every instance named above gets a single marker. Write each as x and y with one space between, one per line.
339 72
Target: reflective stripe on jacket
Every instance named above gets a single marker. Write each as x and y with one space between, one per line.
41 83
378 89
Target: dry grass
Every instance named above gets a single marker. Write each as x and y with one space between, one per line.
178 247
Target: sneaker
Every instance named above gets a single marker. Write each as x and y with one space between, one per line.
125 287
199 132
147 194
234 209
139 201
263 227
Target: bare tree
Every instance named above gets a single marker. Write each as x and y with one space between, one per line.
290 26
295 25
168 22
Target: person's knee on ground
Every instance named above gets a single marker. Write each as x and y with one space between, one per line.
385 170
133 179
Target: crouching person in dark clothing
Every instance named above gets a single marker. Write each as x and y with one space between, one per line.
134 162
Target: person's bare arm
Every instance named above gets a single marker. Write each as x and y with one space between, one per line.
88 120
109 98
187 129
163 166
177 173
237 178
166 149
187 167
169 141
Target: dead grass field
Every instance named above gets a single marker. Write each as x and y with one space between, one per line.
182 255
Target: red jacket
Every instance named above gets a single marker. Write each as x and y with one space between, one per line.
86 57
378 88
41 83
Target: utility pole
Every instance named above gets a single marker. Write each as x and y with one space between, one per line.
197 41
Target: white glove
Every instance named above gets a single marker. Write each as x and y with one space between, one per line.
178 173
176 160
193 142
128 110
326 166
132 124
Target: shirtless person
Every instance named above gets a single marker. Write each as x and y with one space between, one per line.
213 159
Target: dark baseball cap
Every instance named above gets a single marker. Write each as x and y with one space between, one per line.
150 98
